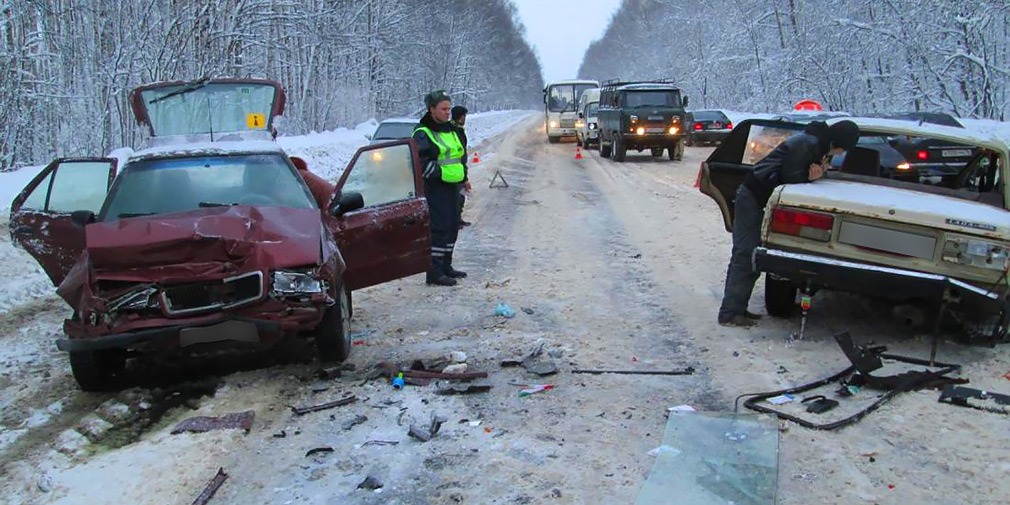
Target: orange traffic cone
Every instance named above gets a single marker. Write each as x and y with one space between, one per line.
578 153
476 159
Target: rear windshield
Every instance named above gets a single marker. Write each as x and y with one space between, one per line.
709 115
390 131
652 99
164 186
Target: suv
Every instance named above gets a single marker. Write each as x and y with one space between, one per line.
210 238
641 115
858 231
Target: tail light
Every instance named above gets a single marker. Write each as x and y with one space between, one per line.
729 126
701 168
801 223
698 126
922 155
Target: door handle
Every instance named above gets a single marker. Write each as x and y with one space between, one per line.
23 230
409 221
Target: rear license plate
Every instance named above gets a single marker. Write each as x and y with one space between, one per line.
714 126
237 331
655 130
955 153
883 239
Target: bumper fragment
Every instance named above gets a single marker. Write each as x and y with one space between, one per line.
157 336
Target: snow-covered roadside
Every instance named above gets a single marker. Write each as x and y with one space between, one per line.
327 154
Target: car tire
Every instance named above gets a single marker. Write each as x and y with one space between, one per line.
97 370
333 334
620 149
553 140
657 152
606 150
780 297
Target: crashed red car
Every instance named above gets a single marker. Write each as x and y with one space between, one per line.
210 237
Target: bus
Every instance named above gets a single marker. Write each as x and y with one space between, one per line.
560 106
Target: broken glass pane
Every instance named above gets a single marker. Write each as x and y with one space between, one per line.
718 458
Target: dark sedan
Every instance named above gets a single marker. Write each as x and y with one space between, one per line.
930 157
707 127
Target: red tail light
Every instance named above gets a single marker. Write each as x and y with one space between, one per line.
697 182
729 126
922 155
812 225
698 126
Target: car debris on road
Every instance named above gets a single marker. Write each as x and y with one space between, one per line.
202 424
301 411
212 487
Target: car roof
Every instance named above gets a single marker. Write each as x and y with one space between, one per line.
939 132
647 86
571 81
400 120
207 149
940 118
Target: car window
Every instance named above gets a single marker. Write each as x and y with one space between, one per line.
168 185
592 108
762 140
383 175
79 185
37 198
709 116
391 131
216 107
652 99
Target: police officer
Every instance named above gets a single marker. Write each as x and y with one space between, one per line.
459 121
442 157
801 158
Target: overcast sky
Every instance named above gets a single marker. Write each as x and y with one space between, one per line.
561 30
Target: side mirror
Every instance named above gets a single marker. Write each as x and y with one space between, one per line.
82 218
368 136
686 100
347 202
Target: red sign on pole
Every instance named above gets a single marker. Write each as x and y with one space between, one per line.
808 105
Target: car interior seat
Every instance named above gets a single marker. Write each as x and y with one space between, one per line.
861 161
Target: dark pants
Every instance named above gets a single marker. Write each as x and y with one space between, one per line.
443 211
740 276
462 202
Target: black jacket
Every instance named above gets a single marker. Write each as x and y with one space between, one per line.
789 163
428 150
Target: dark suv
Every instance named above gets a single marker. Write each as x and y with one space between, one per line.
641 115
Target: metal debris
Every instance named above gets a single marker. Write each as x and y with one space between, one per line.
380 442
358 419
317 450
541 368
301 411
464 390
212 487
203 424
370 483
425 434
685 371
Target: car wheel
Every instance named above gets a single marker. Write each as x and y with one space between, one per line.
97 370
780 297
606 150
553 140
333 335
657 152
620 149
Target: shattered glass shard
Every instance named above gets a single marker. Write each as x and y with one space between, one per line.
722 458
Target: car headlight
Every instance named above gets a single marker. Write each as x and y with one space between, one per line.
640 131
296 283
554 124
592 126
138 299
976 253
673 130
579 124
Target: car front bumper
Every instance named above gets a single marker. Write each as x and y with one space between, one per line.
842 275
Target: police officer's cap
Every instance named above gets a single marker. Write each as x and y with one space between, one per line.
435 97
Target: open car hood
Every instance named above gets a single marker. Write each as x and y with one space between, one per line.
205 243
899 205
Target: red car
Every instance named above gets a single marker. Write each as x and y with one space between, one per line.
211 238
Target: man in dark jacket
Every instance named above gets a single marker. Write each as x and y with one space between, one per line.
801 158
442 154
459 121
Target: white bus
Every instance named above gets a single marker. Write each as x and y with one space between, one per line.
560 106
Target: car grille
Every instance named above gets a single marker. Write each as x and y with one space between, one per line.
567 123
214 295
883 239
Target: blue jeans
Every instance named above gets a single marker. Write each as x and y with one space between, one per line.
740 276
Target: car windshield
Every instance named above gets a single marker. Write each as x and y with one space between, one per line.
652 99
168 185
592 108
709 115
390 131
562 97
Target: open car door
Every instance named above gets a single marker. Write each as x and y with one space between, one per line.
727 167
380 217
41 214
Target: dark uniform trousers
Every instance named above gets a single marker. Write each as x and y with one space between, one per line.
443 208
740 277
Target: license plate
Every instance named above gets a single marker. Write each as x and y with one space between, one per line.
715 126
237 331
655 130
955 153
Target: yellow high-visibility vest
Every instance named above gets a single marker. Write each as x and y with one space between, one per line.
450 153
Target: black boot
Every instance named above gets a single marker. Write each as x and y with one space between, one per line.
439 279
452 272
